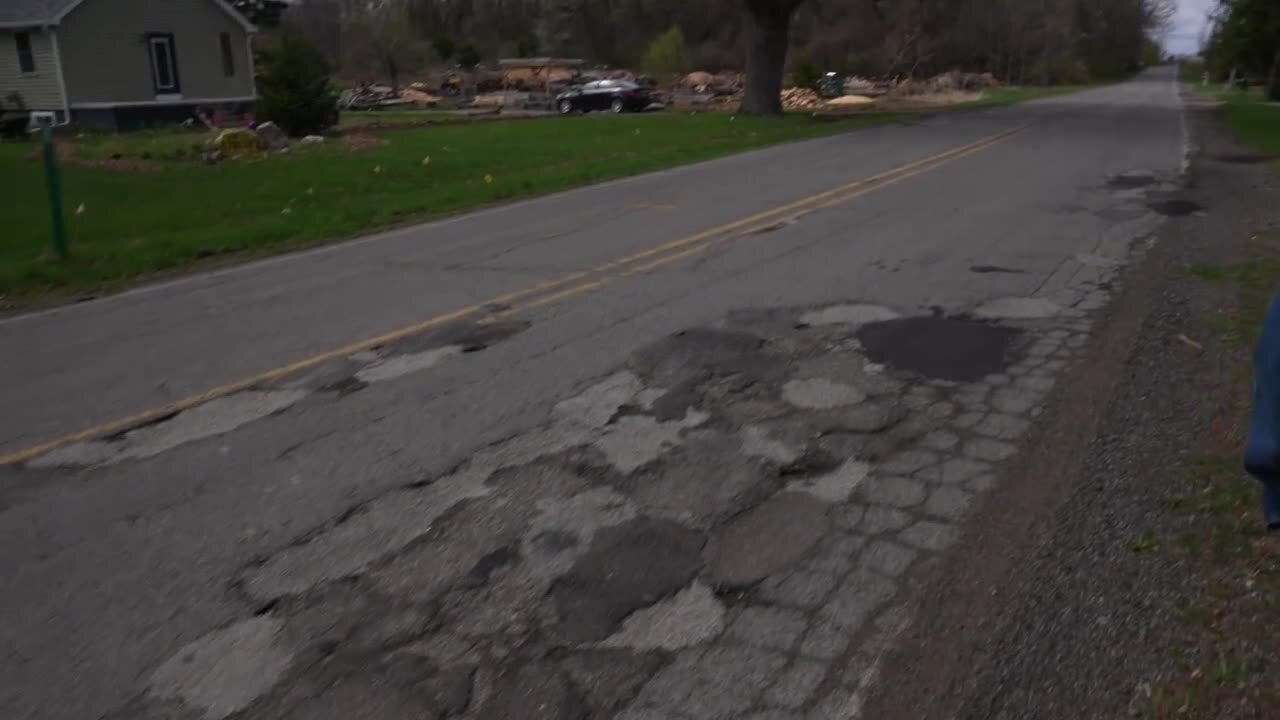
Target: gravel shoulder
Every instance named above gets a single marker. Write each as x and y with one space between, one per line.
1084 594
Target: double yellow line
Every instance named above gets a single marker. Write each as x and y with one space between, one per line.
539 295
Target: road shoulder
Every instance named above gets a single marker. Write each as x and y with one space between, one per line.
1078 597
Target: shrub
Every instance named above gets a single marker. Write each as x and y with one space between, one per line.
294 90
666 55
805 74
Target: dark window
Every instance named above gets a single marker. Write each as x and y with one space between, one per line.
26 58
164 63
228 59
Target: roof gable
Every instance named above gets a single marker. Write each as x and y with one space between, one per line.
22 13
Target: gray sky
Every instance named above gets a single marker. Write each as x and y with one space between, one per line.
1185 37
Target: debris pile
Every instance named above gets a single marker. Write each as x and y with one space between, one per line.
948 82
375 97
848 101
800 99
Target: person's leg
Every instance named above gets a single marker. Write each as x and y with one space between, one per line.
1271 504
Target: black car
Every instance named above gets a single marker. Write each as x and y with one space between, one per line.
612 95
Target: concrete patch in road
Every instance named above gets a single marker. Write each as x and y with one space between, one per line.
397 366
690 617
766 539
836 487
627 567
383 527
821 394
216 417
852 315
636 440
221 673
1017 308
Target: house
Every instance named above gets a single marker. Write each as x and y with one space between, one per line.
122 64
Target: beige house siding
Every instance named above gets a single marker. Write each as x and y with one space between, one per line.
40 90
105 54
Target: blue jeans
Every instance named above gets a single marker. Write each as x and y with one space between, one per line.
1262 452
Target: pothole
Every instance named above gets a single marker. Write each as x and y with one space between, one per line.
1175 207
987 269
1130 181
944 348
1243 158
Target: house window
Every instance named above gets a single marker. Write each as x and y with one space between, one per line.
26 58
164 63
228 59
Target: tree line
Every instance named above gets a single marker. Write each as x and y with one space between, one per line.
1019 41
1244 42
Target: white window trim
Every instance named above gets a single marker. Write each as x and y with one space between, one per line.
167 41
34 72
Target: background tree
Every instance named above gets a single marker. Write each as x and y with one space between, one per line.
667 54
1246 36
293 88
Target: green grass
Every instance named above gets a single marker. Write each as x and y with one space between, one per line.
174 213
1255 121
353 119
1013 95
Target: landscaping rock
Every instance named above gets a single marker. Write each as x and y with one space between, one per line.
238 141
273 138
312 140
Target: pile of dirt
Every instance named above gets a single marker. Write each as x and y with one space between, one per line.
849 101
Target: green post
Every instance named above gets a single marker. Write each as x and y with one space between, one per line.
55 192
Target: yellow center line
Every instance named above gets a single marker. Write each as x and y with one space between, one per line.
699 241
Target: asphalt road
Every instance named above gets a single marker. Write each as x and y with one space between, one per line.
316 383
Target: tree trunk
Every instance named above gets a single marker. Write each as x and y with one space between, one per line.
767 37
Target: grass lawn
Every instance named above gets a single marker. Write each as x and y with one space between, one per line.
1256 122
1013 95
175 211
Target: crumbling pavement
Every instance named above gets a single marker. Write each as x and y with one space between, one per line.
722 529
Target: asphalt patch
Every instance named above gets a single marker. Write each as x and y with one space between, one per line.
957 349
987 269
1175 208
1131 182
1243 158
470 336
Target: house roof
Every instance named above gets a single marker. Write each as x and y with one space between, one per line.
33 12
29 13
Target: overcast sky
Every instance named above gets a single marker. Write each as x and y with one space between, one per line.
1184 39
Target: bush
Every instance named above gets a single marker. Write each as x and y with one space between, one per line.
666 55
294 90
806 75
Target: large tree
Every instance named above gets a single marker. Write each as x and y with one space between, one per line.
768 37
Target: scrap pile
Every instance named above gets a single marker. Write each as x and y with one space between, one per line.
800 99
948 82
376 97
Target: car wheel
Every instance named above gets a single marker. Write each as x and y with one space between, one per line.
566 107
617 105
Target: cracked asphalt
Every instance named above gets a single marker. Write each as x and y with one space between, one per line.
710 488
